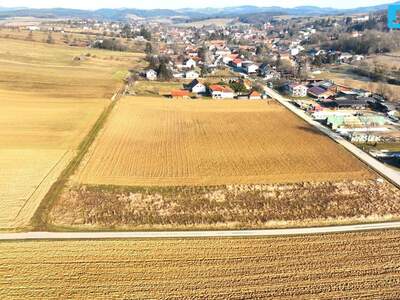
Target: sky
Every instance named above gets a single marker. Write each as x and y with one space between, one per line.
172 4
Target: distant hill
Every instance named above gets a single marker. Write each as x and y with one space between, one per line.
237 11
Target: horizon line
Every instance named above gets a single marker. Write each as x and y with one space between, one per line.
192 8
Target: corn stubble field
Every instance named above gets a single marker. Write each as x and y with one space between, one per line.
49 103
341 266
153 141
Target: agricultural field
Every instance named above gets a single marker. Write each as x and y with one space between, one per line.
49 103
163 164
159 142
61 71
69 37
222 22
155 88
337 266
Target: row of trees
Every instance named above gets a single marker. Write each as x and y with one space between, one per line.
371 42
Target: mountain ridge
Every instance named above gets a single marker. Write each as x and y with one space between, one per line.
120 14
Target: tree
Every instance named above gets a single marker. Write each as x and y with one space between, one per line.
164 73
49 39
204 55
149 49
145 33
154 62
204 71
238 87
259 50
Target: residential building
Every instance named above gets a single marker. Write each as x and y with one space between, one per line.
151 74
192 75
221 92
196 87
297 90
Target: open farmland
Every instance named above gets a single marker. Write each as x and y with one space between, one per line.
171 164
38 138
153 141
49 103
339 266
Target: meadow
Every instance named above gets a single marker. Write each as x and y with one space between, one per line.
49 102
361 265
160 142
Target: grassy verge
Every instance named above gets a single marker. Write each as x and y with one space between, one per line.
39 219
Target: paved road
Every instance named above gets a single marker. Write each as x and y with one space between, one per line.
195 234
390 174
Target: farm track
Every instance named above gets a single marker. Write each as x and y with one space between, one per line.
197 234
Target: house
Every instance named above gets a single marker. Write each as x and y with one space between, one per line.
352 102
190 63
151 74
297 90
178 75
192 75
237 63
319 92
254 95
221 92
180 94
251 68
345 57
196 87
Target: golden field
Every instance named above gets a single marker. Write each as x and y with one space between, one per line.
159 142
49 103
337 266
38 138
51 69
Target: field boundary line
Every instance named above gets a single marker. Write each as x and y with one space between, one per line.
54 167
39 219
45 235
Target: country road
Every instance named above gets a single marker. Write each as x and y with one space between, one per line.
390 174
195 234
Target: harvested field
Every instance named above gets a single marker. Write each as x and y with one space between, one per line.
341 266
38 138
225 207
157 142
48 104
155 88
52 71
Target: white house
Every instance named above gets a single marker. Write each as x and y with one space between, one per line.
251 68
344 57
151 74
190 63
221 92
192 75
178 75
196 87
297 90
